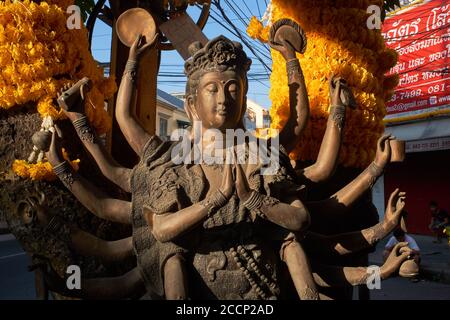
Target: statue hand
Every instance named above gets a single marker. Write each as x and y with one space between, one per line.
400 253
394 210
340 93
76 108
383 150
242 188
140 46
335 90
227 186
285 48
54 154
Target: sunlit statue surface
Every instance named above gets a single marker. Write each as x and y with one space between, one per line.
222 230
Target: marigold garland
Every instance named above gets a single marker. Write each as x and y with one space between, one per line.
38 56
339 42
40 171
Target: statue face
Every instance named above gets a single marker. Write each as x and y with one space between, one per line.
219 100
32 211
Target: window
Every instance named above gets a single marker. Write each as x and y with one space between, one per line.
183 124
163 128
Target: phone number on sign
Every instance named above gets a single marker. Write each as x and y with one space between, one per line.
434 89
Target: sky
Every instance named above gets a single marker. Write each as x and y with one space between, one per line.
239 13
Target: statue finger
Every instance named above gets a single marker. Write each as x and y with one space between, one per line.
337 90
331 81
398 246
136 42
381 141
58 131
393 196
275 46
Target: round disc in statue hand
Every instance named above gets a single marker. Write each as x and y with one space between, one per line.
289 31
134 22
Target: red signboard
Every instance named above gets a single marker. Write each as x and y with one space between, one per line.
421 36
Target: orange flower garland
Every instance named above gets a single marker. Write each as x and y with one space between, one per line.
38 56
339 42
41 170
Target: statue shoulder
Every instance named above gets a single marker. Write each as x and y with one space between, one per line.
151 146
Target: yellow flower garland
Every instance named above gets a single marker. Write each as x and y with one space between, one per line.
38 56
339 42
41 170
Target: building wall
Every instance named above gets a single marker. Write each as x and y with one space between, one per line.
425 176
256 116
172 115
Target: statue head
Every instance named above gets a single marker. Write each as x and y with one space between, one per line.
35 225
217 84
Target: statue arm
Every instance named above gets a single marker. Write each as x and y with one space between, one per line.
351 242
94 199
168 226
292 216
325 165
86 244
108 166
347 243
298 106
340 98
344 198
327 159
335 276
129 124
71 102
298 96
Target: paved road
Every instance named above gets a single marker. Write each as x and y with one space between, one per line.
17 283
403 289
15 280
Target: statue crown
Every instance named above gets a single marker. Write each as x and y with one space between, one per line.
219 54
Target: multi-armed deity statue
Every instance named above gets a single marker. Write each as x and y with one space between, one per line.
223 230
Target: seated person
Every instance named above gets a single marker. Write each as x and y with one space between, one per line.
400 236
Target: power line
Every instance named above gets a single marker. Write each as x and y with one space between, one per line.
259 10
219 7
245 23
101 35
238 35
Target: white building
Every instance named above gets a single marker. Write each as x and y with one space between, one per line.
170 114
256 116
